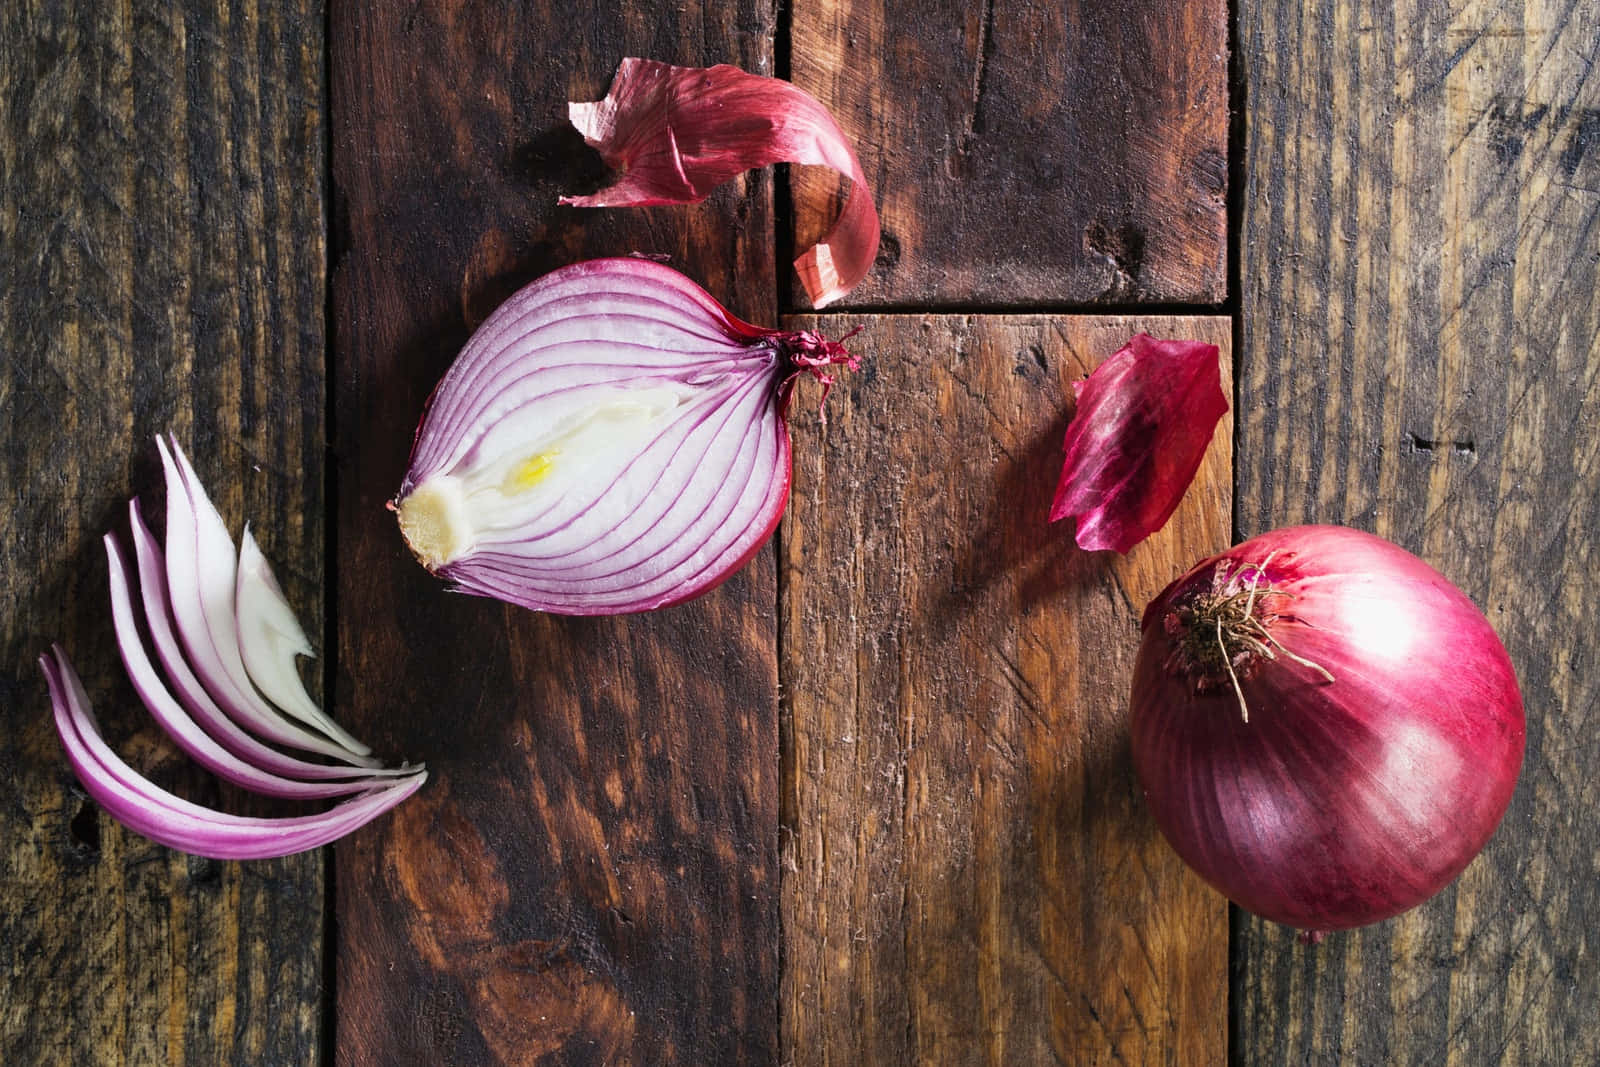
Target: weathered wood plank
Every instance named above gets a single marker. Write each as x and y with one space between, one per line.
1028 154
161 267
592 874
1421 308
969 874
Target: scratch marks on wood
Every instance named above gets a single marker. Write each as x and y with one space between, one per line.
974 123
1454 309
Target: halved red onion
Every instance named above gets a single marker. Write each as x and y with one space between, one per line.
610 440
170 820
673 134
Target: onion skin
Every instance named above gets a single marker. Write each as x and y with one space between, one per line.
673 134
1143 421
1338 803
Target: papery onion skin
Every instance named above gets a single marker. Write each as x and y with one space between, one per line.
673 134
610 440
1337 803
1143 421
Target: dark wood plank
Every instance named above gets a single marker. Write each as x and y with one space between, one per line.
969 874
592 874
1028 154
1421 303
161 267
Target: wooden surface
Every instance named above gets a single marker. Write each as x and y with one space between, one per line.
1025 154
592 875
161 268
1421 304
632 850
969 874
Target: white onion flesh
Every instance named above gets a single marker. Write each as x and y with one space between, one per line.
270 638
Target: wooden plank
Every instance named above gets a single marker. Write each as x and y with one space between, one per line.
1421 308
161 217
591 876
969 874
1027 154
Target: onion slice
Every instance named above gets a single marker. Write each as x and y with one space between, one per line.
676 133
1144 419
610 440
168 819
177 723
202 578
270 637
191 693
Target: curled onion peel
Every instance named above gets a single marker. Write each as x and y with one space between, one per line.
172 821
676 133
1326 729
611 440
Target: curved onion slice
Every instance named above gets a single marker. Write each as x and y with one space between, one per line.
610 440
673 134
177 723
177 823
191 693
270 638
201 580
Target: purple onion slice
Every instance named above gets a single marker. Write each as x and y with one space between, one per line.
170 820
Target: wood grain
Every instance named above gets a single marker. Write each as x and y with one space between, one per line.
1027 154
591 876
1421 307
161 267
969 874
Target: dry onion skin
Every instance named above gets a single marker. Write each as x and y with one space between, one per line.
1143 422
673 134
226 692
610 440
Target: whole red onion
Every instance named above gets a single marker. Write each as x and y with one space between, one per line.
1326 729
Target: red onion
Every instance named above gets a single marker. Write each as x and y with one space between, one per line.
1326 729
610 440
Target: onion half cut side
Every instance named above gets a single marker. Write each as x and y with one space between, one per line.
611 440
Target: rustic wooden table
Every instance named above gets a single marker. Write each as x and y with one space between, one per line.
870 801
